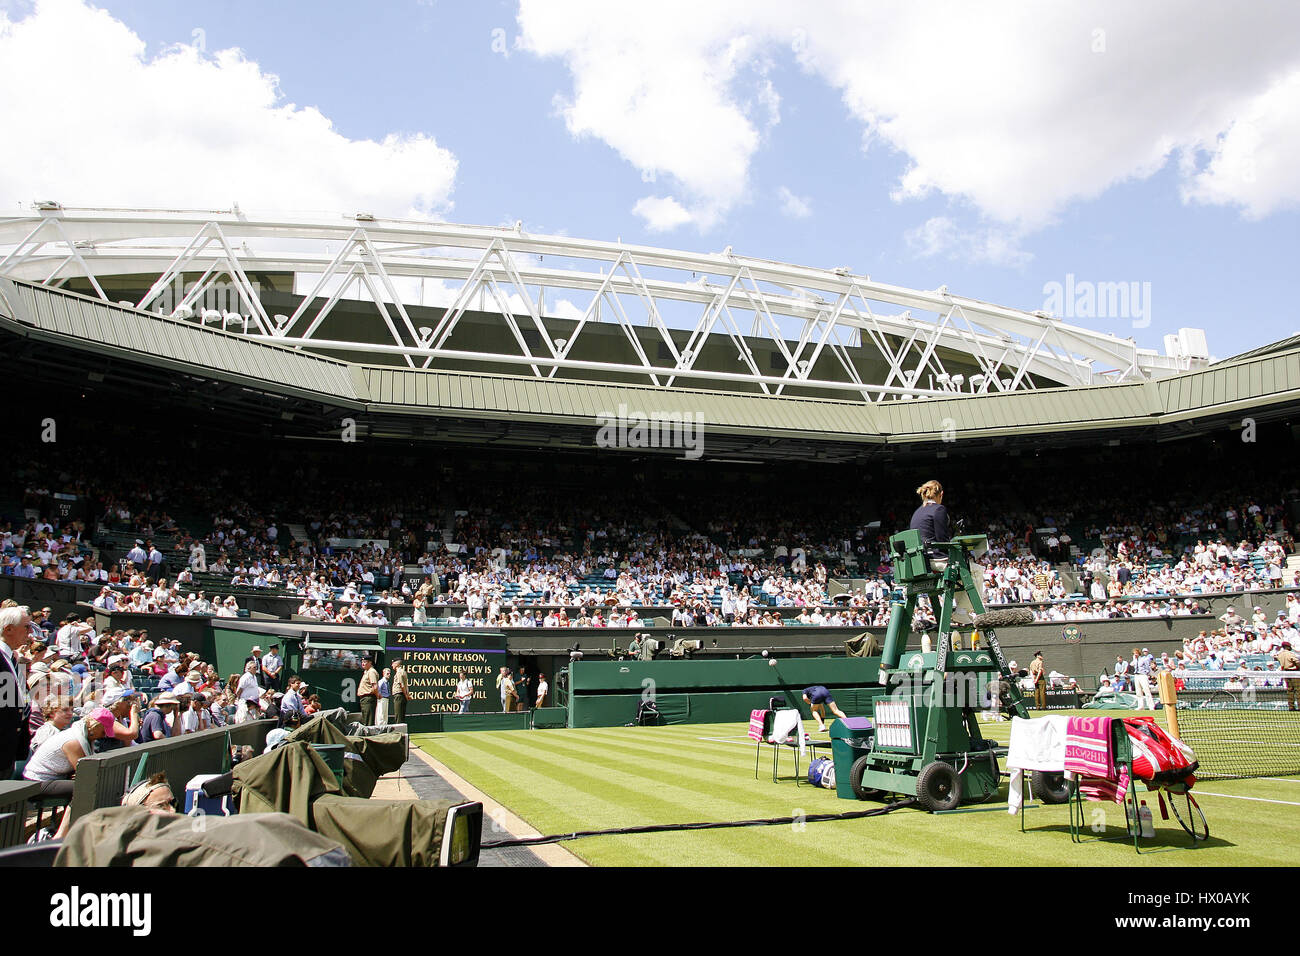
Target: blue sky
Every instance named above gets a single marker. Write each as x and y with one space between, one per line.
1102 167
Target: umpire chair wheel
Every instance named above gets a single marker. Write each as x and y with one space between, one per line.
1049 786
855 780
938 787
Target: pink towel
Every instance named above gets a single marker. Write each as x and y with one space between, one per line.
1087 747
1105 788
1088 753
756 720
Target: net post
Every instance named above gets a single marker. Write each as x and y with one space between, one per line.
1169 698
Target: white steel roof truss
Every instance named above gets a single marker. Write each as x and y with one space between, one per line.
503 302
703 328
58 245
368 281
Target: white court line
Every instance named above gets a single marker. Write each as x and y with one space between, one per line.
1281 779
1237 796
750 741
747 741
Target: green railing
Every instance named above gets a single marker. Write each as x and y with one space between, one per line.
101 780
14 795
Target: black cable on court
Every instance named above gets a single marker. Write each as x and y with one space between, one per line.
719 825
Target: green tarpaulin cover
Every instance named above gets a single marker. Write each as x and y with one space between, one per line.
295 779
380 754
287 780
135 836
384 832
1112 702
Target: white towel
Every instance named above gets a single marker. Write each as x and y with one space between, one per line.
786 722
1015 790
1037 743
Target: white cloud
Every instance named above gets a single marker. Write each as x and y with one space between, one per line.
1256 163
662 213
1017 115
796 207
941 236
91 120
686 103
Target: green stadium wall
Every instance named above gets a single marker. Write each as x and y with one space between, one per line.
608 693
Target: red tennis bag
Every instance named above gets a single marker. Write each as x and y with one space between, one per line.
1164 762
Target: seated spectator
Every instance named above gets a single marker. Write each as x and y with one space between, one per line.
124 705
54 764
194 715
153 794
57 714
159 720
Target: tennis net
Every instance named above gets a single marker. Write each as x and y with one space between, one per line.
1241 725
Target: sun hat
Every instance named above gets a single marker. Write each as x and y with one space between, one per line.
104 717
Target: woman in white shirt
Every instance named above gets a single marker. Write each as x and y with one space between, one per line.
55 763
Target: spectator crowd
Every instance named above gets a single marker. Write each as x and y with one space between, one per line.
522 555
93 692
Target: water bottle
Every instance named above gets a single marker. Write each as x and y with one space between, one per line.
1147 821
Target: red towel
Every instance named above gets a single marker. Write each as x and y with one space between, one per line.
756 720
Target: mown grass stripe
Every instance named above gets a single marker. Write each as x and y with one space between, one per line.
742 797
691 805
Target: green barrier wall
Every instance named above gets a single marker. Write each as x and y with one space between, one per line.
544 717
615 710
587 677
607 694
102 779
453 723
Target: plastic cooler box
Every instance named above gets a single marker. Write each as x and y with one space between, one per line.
196 803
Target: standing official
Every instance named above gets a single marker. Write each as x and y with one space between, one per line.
1290 665
401 693
271 667
368 693
385 691
155 571
15 709
1038 671
464 691
1143 664
543 689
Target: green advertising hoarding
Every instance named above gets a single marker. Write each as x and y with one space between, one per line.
434 657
